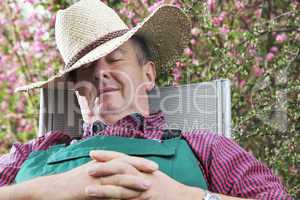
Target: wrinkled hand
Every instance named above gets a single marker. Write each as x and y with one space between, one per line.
162 186
115 179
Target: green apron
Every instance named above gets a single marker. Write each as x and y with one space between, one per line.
174 157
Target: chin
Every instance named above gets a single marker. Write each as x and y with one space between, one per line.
111 109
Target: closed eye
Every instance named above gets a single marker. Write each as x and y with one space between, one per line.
116 60
113 60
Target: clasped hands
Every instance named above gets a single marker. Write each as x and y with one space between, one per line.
113 175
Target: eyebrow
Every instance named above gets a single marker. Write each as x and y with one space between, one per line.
122 50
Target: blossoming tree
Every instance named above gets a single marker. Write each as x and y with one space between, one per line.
253 43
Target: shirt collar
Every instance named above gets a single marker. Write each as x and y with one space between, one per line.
133 121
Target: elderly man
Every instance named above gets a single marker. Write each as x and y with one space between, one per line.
113 68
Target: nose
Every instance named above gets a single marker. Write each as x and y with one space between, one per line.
101 71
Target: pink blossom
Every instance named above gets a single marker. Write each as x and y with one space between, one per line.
295 3
258 60
123 11
195 61
49 71
2 38
242 83
38 47
232 53
52 20
258 13
125 1
38 34
155 6
135 20
22 122
20 107
28 127
130 15
4 106
224 31
239 5
3 59
3 22
19 129
34 79
176 72
216 21
222 16
16 47
31 1
25 34
280 38
2 77
176 3
274 49
193 42
29 59
12 78
252 50
52 55
178 64
16 7
195 31
257 70
188 52
270 56
212 5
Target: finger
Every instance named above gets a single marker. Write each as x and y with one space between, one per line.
141 164
98 169
128 181
104 156
110 192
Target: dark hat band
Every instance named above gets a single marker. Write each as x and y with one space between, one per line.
95 44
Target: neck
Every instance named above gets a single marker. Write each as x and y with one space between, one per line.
113 117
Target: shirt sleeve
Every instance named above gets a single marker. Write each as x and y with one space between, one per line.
11 163
231 170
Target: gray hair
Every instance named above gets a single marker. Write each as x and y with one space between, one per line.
141 50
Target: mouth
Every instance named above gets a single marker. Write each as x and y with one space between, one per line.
107 90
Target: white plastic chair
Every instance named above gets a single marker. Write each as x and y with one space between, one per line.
204 105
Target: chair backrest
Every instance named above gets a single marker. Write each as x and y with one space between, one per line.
204 105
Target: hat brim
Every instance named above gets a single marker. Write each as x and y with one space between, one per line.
166 33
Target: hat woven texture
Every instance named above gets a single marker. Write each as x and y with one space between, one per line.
89 30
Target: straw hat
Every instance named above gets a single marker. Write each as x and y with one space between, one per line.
89 30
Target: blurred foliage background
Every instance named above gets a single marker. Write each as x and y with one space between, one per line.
254 43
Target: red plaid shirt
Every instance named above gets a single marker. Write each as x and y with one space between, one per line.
228 169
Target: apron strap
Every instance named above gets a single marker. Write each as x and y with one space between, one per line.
171 133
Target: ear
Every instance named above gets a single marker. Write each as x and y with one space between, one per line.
149 75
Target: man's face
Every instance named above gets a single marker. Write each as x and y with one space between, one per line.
115 83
